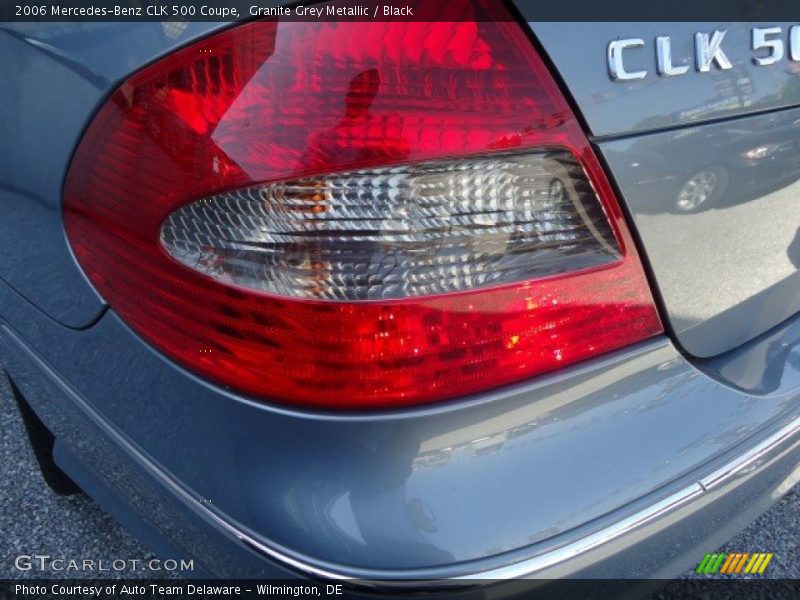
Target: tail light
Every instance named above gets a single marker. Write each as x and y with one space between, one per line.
356 215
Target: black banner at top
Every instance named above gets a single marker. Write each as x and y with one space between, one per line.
397 10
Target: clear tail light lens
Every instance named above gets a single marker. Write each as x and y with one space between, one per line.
356 215
397 232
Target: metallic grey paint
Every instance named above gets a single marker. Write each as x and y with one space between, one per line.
724 263
579 52
55 75
728 272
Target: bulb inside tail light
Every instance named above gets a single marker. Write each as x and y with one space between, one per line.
356 215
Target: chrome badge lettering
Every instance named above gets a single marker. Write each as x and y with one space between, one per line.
767 45
616 66
707 51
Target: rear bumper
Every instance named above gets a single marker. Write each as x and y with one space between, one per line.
661 540
631 466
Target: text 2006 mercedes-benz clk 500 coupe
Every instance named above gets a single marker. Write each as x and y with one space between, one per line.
473 297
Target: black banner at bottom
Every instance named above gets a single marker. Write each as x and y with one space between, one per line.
728 588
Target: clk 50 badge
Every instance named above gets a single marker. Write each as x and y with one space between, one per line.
767 43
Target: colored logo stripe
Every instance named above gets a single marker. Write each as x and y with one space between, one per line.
721 562
758 563
740 564
765 563
711 563
703 563
729 563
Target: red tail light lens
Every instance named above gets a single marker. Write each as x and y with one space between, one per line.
356 215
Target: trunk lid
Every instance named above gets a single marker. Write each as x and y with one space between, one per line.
707 162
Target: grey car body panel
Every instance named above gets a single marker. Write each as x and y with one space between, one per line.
54 77
462 481
578 51
758 367
177 525
728 271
